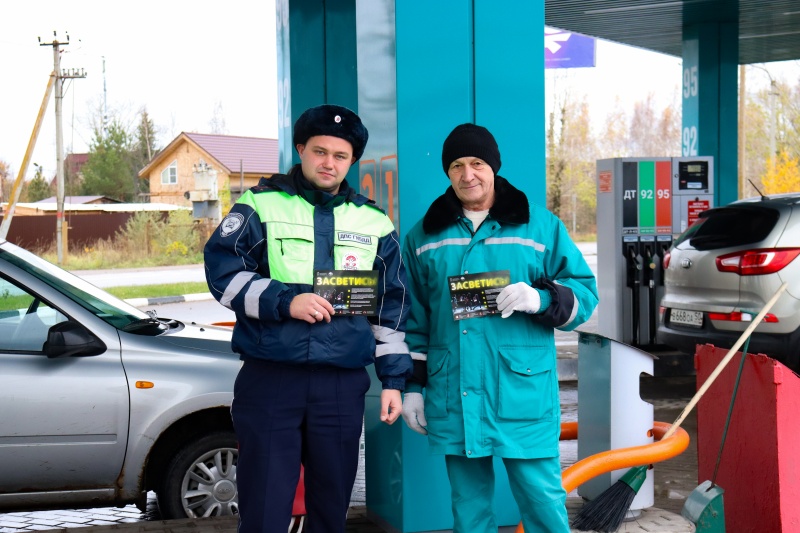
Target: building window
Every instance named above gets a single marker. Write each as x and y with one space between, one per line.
169 176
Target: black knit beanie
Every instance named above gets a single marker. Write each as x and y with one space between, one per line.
470 140
332 120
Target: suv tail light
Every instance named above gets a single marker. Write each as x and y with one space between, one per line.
757 262
738 316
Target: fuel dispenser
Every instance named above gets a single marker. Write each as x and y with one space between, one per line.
642 205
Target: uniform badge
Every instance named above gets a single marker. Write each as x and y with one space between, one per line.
231 224
350 262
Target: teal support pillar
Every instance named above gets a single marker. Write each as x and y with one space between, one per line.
425 67
316 47
710 102
468 61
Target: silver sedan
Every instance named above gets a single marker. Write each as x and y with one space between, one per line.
103 402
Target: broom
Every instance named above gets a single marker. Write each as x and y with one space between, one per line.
606 512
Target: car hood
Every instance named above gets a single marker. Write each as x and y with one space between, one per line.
200 337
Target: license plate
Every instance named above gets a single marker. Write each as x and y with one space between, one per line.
686 318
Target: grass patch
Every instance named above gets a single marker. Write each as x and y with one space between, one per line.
16 302
158 291
99 257
584 237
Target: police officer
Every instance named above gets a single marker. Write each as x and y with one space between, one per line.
299 396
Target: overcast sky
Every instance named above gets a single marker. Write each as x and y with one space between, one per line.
183 59
180 59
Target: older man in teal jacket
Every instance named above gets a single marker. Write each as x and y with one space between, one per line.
488 364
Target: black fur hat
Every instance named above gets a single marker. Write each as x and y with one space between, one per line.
332 120
469 140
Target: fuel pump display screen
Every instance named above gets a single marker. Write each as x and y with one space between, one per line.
693 175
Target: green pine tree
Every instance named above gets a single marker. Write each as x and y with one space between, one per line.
109 170
38 188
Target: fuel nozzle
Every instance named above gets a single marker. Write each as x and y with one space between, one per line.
650 261
635 258
634 269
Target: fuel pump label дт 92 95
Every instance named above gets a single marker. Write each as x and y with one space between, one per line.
646 197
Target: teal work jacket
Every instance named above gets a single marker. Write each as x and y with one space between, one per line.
491 384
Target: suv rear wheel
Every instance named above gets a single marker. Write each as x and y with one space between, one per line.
201 479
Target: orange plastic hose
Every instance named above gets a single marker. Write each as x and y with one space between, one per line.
604 462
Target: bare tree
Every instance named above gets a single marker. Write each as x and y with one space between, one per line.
571 156
613 137
217 122
5 182
653 134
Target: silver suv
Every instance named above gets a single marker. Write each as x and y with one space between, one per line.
102 402
729 262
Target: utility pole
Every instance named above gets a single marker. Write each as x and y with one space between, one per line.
742 133
61 233
773 114
105 105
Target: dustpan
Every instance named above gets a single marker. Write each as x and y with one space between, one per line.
704 507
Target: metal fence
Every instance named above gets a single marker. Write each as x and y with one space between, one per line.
38 232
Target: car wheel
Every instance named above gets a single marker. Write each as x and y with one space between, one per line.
201 479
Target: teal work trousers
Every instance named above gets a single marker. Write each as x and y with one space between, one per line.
535 484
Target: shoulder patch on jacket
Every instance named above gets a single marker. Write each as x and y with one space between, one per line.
231 224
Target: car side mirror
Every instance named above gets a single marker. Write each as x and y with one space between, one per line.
71 339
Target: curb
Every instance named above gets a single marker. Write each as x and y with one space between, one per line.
142 302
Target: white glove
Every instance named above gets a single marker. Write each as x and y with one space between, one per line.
414 412
518 297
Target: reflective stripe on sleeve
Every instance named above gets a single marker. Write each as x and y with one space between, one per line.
444 242
516 240
253 296
235 287
389 341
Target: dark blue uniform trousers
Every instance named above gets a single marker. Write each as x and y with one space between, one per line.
285 414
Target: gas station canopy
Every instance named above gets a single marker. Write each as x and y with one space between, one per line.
769 30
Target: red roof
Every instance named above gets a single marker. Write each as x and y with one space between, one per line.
74 162
255 155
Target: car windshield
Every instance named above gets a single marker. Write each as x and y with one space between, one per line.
727 227
105 306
